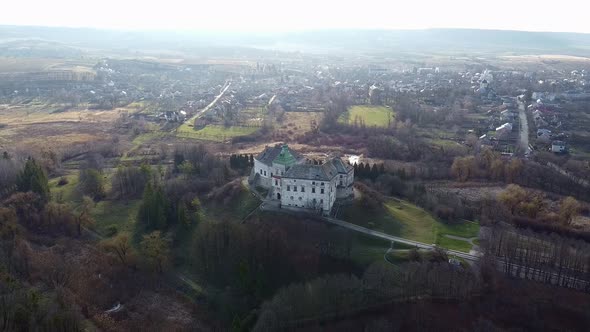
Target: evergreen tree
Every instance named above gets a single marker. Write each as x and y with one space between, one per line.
367 170
153 210
251 160
178 159
361 170
382 169
374 172
33 178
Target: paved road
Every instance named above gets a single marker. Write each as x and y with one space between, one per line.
524 129
273 206
388 237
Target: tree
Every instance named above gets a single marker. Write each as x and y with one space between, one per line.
186 168
91 183
569 207
513 170
463 168
156 250
414 255
153 208
84 218
512 197
121 246
33 178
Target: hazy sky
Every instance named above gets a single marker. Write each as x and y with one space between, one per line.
279 15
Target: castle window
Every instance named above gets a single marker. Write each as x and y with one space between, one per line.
313 183
322 190
341 176
295 188
291 197
276 182
321 201
288 188
302 189
300 198
322 183
264 173
313 190
340 182
261 171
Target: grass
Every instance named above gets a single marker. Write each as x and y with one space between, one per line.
236 209
445 242
406 220
67 192
215 133
367 249
371 116
108 214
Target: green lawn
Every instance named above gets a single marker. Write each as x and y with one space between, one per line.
378 116
216 133
403 219
68 192
367 249
237 209
115 214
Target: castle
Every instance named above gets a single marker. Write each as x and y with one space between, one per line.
300 184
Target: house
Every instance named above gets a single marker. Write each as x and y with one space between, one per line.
299 184
508 115
375 95
173 116
543 135
504 129
558 146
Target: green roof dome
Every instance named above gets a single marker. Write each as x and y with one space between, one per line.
285 157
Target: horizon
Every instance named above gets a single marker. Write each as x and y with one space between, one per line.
263 16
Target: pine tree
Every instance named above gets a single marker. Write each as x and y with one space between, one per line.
251 160
382 169
33 178
361 170
374 172
367 170
153 210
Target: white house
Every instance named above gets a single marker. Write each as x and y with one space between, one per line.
504 129
297 183
558 146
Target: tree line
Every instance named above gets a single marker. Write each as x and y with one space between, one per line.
340 295
547 258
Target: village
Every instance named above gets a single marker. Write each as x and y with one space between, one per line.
212 185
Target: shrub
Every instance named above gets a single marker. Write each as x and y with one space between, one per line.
112 230
63 181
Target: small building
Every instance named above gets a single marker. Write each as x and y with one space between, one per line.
504 129
558 147
543 135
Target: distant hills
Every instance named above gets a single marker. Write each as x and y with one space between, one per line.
444 41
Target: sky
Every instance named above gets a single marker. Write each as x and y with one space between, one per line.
294 15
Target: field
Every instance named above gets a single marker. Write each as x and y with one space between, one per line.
371 116
403 219
67 192
215 133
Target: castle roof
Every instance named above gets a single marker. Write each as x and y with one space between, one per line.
325 172
280 154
